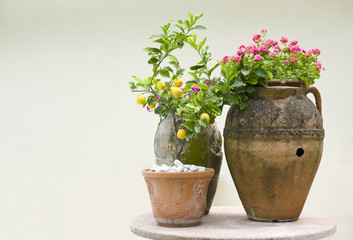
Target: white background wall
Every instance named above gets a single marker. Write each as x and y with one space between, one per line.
73 141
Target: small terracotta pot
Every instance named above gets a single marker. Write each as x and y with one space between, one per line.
178 199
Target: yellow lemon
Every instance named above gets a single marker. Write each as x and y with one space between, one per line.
141 99
160 85
181 134
178 82
153 105
176 92
205 115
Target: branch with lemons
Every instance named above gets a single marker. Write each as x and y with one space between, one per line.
194 103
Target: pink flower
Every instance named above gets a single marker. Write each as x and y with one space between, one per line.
264 30
293 42
258 58
284 40
319 64
226 59
263 48
195 89
295 49
147 108
286 61
208 83
277 48
236 59
272 54
271 42
303 51
293 59
316 51
241 52
256 38
241 47
252 49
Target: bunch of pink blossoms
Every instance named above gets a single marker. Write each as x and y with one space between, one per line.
288 61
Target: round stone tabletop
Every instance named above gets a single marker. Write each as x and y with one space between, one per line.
231 223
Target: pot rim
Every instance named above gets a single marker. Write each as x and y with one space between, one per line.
209 172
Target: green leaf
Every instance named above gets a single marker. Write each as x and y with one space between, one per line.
245 72
203 122
200 96
237 83
158 109
132 86
213 68
188 125
201 86
187 23
194 75
195 67
200 27
197 128
164 73
217 111
191 17
180 72
140 80
201 44
232 99
198 16
157 36
152 60
154 50
252 81
168 69
260 72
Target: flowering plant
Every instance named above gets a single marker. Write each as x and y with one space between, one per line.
267 59
193 104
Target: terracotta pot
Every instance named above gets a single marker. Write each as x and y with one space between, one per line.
273 149
204 150
178 199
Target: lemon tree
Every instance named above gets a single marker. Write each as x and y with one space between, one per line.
194 100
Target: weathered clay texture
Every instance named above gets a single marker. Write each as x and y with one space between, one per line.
273 149
204 150
178 199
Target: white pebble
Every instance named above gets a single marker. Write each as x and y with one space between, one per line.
187 166
178 167
165 168
178 163
201 169
194 168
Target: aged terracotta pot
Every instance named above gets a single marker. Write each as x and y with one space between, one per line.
178 199
273 149
204 150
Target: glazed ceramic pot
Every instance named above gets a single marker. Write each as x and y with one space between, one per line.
273 149
178 199
204 150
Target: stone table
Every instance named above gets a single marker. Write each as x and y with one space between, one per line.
231 223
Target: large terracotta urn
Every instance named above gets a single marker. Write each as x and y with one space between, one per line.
203 150
273 149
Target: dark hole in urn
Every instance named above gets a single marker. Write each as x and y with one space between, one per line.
300 152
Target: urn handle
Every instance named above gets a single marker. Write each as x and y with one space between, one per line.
317 96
